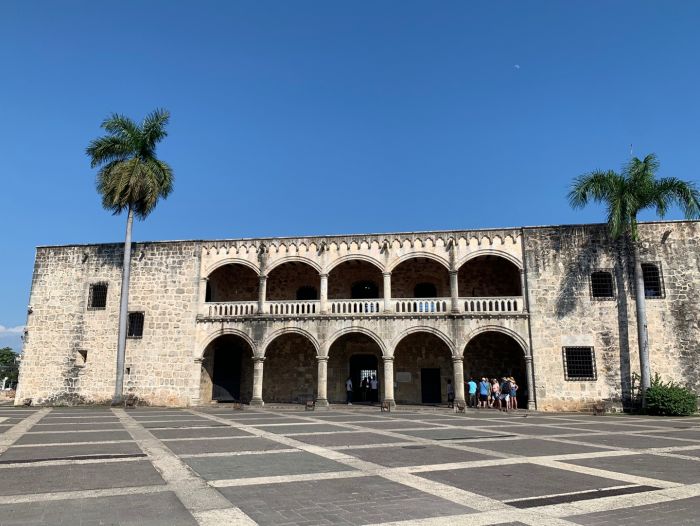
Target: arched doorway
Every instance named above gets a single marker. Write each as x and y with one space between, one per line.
291 371
487 277
227 370
422 367
358 356
493 354
233 282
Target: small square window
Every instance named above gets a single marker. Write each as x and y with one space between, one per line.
97 300
579 363
653 282
602 285
135 329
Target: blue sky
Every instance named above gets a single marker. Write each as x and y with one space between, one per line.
316 117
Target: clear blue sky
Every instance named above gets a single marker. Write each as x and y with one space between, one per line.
315 117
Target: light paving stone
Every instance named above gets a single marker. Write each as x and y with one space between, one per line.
651 466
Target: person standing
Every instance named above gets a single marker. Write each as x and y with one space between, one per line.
505 394
364 388
471 385
483 392
495 393
513 394
374 387
348 390
450 394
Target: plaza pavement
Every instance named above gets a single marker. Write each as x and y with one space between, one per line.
286 466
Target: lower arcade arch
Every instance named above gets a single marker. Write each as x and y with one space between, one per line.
227 370
291 372
422 368
493 354
356 356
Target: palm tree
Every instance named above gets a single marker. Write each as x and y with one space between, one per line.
625 195
130 178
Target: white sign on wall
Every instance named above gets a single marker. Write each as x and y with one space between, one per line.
403 377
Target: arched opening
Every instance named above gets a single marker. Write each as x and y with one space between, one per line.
233 282
356 279
285 281
422 368
227 370
420 275
357 356
307 293
493 354
290 370
489 276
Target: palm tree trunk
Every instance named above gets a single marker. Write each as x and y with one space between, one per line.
123 311
642 333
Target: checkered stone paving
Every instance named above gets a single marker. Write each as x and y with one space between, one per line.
344 466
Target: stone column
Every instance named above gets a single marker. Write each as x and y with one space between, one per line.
321 392
458 370
454 291
387 292
523 303
389 380
529 370
262 293
257 381
203 290
196 396
324 294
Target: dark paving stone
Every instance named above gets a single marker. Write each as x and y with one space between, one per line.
302 428
414 455
49 452
532 447
349 418
189 447
362 500
200 432
689 452
84 436
398 424
630 441
246 466
612 427
519 481
182 424
154 509
686 434
4 428
548 430
268 421
682 512
652 466
352 438
73 426
455 434
78 420
30 479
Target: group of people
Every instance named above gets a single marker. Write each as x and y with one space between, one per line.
369 389
491 393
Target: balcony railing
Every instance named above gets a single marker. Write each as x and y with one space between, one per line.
421 306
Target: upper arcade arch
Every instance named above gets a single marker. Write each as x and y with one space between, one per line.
489 275
293 259
225 331
418 254
353 257
490 252
419 270
427 330
284 281
345 280
500 329
232 282
350 330
231 261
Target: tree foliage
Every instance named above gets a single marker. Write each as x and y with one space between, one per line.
670 399
130 174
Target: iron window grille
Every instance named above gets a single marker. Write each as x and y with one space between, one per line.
135 329
602 286
653 281
579 363
97 300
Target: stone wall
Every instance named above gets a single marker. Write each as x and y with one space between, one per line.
559 261
164 285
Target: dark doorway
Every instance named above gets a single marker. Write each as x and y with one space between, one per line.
430 386
425 290
363 290
362 366
227 374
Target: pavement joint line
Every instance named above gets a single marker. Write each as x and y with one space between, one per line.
44 463
570 493
484 518
71 431
281 479
81 494
54 444
13 434
238 453
369 446
194 493
202 439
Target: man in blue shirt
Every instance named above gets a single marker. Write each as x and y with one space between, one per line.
484 388
471 387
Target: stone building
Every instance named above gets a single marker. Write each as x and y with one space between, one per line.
290 319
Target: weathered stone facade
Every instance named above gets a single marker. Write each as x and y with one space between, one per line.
291 319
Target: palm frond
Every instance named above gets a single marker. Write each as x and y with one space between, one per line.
670 190
153 128
595 186
107 149
122 126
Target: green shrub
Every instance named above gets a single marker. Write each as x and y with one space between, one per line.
670 399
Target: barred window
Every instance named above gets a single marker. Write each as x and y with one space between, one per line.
97 299
653 283
135 325
579 363
602 285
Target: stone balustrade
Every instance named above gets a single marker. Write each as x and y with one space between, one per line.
355 307
293 308
492 305
234 308
422 305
